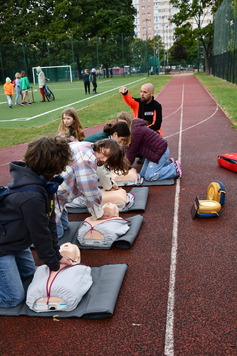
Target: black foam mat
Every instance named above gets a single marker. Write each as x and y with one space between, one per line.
140 201
123 242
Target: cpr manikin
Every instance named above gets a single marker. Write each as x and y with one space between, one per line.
103 232
61 290
132 178
118 197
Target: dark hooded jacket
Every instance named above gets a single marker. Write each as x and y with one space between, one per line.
145 142
30 218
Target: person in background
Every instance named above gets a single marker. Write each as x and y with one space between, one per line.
145 107
93 80
17 87
41 82
25 86
9 91
86 80
70 126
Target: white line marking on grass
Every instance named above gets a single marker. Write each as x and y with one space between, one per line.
169 332
68 105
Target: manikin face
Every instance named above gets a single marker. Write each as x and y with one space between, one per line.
67 120
102 156
112 207
146 94
71 251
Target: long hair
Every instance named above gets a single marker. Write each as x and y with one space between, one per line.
125 116
117 160
48 156
76 125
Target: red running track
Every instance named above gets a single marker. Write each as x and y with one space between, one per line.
179 293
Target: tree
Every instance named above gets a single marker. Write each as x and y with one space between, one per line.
63 32
196 10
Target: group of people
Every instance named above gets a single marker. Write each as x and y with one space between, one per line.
21 86
70 164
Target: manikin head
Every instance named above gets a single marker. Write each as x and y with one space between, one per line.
70 250
146 93
112 208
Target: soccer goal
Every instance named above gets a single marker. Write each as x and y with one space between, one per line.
55 73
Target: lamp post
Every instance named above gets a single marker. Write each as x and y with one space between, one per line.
163 17
147 58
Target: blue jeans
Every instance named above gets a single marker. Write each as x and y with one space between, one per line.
13 269
62 225
164 169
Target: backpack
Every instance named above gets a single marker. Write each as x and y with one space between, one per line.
228 161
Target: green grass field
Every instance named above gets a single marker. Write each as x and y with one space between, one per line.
225 94
24 123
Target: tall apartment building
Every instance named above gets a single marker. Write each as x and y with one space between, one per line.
153 18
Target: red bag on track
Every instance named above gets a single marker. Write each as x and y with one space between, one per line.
229 161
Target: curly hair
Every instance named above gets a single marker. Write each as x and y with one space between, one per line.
76 125
48 156
117 160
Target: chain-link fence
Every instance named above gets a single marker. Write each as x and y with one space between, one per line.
224 58
115 52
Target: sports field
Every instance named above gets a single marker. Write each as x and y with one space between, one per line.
24 123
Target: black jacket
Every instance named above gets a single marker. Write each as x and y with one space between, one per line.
30 220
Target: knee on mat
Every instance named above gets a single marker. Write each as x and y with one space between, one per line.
10 300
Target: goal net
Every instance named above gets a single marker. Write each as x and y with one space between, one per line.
55 73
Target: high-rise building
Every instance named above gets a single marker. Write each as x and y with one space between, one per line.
153 18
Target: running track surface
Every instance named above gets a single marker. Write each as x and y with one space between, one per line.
179 294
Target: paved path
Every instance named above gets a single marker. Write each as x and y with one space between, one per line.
179 293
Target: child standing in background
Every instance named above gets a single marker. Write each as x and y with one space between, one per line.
70 126
25 86
86 80
9 91
17 87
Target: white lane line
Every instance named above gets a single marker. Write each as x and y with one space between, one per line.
68 105
169 332
192 126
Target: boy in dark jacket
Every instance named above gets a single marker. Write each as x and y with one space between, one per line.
150 145
28 217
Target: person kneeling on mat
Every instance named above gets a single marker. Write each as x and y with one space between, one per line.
27 216
154 148
80 178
